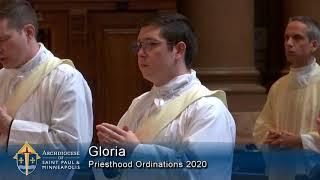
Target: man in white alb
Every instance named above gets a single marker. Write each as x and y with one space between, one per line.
43 100
164 116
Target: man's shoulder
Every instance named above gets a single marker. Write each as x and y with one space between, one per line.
142 98
315 77
208 102
209 107
217 97
66 68
139 102
281 81
2 71
67 71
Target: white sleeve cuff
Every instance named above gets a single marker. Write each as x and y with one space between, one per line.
310 143
22 130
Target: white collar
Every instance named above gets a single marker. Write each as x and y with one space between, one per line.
303 70
301 76
174 87
42 55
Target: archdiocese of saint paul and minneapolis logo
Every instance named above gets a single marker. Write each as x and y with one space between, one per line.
26 159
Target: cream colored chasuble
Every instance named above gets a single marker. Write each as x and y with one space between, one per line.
293 104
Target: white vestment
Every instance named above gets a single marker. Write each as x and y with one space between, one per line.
59 111
205 122
293 105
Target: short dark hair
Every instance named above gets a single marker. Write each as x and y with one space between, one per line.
175 28
312 24
18 13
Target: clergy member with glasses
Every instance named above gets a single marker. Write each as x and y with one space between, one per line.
164 124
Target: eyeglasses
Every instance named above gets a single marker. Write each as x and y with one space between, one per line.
146 46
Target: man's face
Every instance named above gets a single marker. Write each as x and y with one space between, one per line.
13 46
297 45
156 60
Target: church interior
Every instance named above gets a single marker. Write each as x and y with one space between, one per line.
240 48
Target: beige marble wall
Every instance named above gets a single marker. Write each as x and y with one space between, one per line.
226 49
225 31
